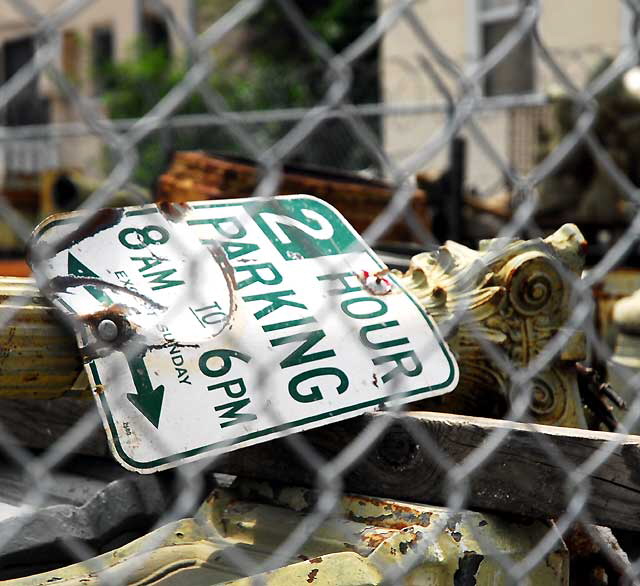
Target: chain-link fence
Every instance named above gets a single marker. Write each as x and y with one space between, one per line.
504 153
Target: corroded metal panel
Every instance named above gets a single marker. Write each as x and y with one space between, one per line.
38 356
364 541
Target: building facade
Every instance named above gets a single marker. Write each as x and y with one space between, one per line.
99 34
580 34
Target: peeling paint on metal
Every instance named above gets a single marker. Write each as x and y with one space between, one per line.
468 566
174 211
336 553
63 283
312 575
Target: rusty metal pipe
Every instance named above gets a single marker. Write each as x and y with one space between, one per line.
38 356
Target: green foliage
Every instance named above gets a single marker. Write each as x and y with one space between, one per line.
137 83
273 69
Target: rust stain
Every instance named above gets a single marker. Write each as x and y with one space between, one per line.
312 575
389 523
63 283
397 516
116 313
228 273
376 283
173 211
96 222
373 540
315 560
99 389
583 247
439 292
221 258
580 543
411 543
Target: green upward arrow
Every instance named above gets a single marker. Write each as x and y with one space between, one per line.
149 399
76 268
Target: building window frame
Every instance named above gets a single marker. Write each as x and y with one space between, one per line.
478 18
100 82
626 23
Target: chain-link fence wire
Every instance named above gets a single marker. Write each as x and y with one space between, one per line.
460 106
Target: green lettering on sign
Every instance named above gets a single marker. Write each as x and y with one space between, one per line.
162 280
314 393
304 228
148 399
76 268
232 412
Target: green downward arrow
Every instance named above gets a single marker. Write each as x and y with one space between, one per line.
149 398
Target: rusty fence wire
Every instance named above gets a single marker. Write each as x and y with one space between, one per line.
459 108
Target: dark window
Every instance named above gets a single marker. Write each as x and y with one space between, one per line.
27 107
156 32
102 58
17 54
71 54
515 73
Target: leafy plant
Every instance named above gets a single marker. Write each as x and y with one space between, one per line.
272 70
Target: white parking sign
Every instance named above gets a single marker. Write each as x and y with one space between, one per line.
212 326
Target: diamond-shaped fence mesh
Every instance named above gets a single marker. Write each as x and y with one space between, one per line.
493 142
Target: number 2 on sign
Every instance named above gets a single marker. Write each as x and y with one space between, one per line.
324 231
209 315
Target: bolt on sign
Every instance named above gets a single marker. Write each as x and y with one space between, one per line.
216 325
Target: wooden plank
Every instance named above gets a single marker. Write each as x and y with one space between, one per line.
520 477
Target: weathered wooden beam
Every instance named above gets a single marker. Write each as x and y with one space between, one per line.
520 477
38 424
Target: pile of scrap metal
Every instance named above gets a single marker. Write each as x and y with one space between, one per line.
363 541
506 300
195 176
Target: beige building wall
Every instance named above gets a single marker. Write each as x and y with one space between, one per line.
74 59
580 33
